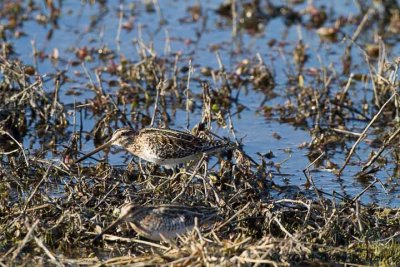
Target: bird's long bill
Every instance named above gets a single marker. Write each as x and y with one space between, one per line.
114 223
94 151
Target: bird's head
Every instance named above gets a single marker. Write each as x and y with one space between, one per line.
122 137
124 215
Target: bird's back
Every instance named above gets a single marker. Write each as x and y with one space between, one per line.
173 144
168 221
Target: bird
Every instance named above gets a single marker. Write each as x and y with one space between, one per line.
163 222
165 147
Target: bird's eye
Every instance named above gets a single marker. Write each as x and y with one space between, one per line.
125 133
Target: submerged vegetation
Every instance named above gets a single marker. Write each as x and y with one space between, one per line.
64 98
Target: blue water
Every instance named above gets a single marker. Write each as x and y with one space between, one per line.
256 132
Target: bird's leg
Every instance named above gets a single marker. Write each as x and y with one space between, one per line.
172 173
140 166
144 170
171 177
205 164
199 163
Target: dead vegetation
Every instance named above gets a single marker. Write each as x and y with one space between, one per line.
51 210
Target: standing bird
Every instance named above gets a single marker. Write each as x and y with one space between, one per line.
165 147
162 222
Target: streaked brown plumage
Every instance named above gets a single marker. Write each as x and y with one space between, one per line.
164 147
162 222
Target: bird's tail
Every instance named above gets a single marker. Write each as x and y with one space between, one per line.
220 146
209 215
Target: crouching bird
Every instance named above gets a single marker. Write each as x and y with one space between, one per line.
162 222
